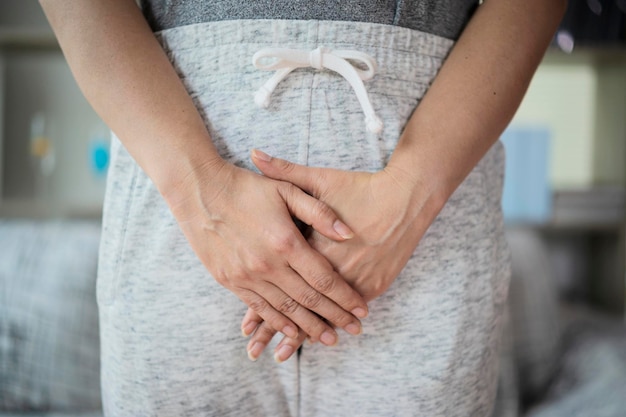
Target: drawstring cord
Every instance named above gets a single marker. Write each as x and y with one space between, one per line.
287 60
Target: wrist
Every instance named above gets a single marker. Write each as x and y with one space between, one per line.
427 192
178 178
423 171
436 159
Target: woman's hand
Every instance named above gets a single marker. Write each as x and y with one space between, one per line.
238 223
388 212
243 232
468 105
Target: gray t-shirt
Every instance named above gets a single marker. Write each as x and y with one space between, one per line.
445 18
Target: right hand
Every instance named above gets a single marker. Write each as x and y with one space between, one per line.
240 225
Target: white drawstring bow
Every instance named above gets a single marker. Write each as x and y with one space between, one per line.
286 60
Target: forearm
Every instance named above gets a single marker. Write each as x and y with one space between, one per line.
476 93
131 84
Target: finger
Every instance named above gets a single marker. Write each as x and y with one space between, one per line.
313 300
264 309
319 274
314 212
288 346
286 294
250 322
278 304
306 208
304 177
259 340
327 293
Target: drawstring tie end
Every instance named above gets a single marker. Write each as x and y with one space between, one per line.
374 124
284 61
262 97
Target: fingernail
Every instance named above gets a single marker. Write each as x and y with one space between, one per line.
249 328
328 338
343 230
354 329
290 331
283 353
255 352
262 155
359 312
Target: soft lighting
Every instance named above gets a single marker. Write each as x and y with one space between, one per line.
565 41
595 6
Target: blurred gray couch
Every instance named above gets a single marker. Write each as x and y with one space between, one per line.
557 360
49 349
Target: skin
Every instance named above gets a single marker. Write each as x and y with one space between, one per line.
238 223
473 98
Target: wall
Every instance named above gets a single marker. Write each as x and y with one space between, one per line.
40 82
36 80
582 99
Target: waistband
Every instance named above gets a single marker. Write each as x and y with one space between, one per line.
400 53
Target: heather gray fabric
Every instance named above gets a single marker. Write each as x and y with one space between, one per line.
440 17
171 344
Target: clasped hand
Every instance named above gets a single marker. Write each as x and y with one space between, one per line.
388 211
240 226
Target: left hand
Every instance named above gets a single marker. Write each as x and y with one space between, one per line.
389 212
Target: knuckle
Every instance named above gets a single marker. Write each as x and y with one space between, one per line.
324 283
264 333
258 265
258 305
287 188
289 191
315 330
288 306
221 277
239 277
283 242
322 210
341 319
311 299
233 277
285 165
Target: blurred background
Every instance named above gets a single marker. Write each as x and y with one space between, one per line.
564 352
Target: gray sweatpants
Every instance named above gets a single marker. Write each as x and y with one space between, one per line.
171 342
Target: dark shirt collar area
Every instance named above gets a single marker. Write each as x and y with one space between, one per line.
445 18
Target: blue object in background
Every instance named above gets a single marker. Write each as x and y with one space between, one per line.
99 155
527 193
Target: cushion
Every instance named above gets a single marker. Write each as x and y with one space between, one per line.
49 348
591 377
534 308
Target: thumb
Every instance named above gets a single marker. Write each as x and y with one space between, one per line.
303 177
